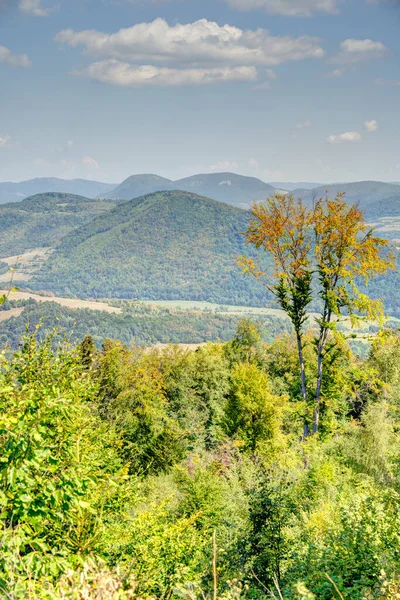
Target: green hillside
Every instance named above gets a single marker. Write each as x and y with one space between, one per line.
44 220
169 245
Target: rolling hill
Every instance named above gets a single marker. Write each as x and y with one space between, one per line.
290 186
170 245
363 192
138 185
44 220
14 192
225 187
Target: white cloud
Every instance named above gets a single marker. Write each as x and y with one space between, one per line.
90 162
270 73
353 51
67 146
371 125
335 73
203 43
265 85
304 125
125 74
66 164
5 141
15 60
223 167
388 82
291 8
348 136
254 164
34 7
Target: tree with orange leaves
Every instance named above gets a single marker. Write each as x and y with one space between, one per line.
330 243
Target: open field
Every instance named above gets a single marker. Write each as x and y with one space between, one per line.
5 315
68 302
18 276
24 265
209 306
26 259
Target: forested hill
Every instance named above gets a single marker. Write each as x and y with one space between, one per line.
44 220
167 245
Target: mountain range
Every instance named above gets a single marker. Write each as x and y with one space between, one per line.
14 192
230 188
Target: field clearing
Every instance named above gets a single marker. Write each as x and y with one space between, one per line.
219 308
5 315
68 302
26 259
18 276
24 265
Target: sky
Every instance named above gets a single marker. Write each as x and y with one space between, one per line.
283 90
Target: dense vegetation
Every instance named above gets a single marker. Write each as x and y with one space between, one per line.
119 467
43 220
169 246
138 324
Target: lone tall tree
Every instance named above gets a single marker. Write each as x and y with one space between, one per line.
282 227
324 248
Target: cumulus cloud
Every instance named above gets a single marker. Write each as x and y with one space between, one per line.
125 74
254 164
5 141
290 8
90 162
388 82
202 43
304 125
347 136
34 7
353 51
223 167
270 73
335 73
371 125
15 60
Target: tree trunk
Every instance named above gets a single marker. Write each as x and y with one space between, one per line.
318 388
303 376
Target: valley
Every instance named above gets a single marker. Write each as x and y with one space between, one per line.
166 252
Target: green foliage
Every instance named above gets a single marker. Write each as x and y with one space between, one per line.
167 245
139 324
119 466
43 220
56 475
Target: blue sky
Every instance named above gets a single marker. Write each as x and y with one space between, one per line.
284 90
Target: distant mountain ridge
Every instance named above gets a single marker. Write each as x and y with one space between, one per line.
362 192
230 188
15 192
